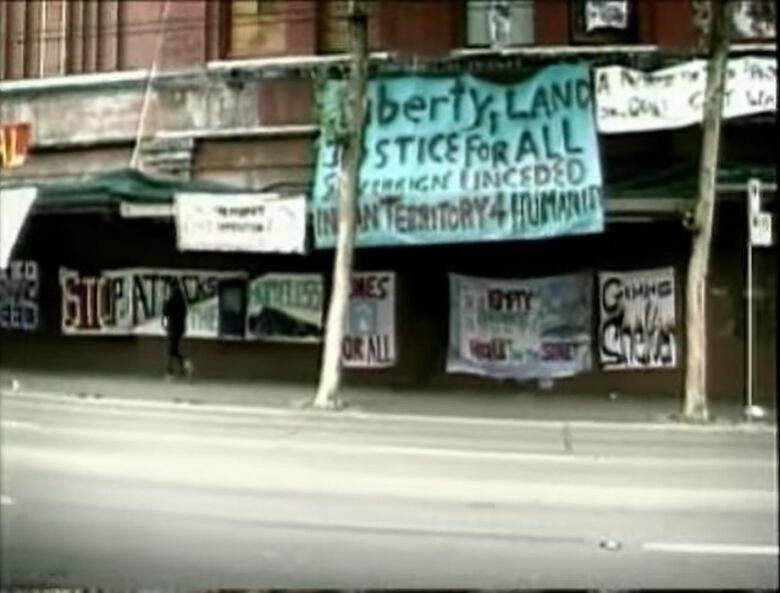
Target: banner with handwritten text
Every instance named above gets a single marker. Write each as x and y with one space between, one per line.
130 301
369 332
520 329
285 308
457 159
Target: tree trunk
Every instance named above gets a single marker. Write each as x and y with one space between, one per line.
330 373
695 407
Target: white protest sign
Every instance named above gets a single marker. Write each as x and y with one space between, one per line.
606 14
15 204
633 101
240 222
369 340
637 326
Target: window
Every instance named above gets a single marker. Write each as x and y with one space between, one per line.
257 28
603 21
499 23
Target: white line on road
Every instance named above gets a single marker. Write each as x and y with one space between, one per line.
722 549
19 425
6 500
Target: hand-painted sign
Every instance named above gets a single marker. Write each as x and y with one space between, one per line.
285 308
240 222
130 301
369 340
453 159
606 14
637 326
19 285
633 101
520 329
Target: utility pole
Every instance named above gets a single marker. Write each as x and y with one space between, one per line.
350 150
695 406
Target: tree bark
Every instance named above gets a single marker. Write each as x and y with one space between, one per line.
330 373
695 405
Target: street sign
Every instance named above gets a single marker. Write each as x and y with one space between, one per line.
761 229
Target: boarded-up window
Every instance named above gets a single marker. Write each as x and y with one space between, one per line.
257 28
499 23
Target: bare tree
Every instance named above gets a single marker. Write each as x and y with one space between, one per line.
718 36
350 146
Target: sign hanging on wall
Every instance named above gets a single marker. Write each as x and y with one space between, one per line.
369 340
240 222
633 101
606 14
19 289
285 308
454 159
130 301
637 326
520 329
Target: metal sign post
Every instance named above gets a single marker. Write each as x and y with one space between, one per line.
759 235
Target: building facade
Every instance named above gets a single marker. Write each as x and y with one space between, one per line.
197 92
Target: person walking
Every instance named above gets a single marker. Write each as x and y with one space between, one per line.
175 323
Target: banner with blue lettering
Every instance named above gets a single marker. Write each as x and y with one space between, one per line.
457 159
520 329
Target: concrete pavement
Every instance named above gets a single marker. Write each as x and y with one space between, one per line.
128 495
551 407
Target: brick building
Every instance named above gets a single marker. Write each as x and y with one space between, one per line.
224 92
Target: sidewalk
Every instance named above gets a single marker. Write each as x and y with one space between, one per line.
523 407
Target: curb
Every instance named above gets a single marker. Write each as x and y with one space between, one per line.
354 412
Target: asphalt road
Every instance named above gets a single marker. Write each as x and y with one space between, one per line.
130 496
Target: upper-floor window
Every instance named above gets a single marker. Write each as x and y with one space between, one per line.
499 23
257 28
603 21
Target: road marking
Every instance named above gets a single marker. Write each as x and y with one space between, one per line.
722 549
19 425
6 500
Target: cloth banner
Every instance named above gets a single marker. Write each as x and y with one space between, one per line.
637 325
130 301
19 289
457 159
369 340
15 204
633 101
285 308
520 329
240 222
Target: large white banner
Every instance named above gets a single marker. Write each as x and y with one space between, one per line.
130 301
15 204
637 326
19 289
633 101
369 340
538 328
240 222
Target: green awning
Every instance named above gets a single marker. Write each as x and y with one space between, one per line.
114 187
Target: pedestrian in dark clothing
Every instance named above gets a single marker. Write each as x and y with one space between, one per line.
175 321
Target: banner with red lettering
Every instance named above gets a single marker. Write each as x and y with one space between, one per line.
369 335
537 328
